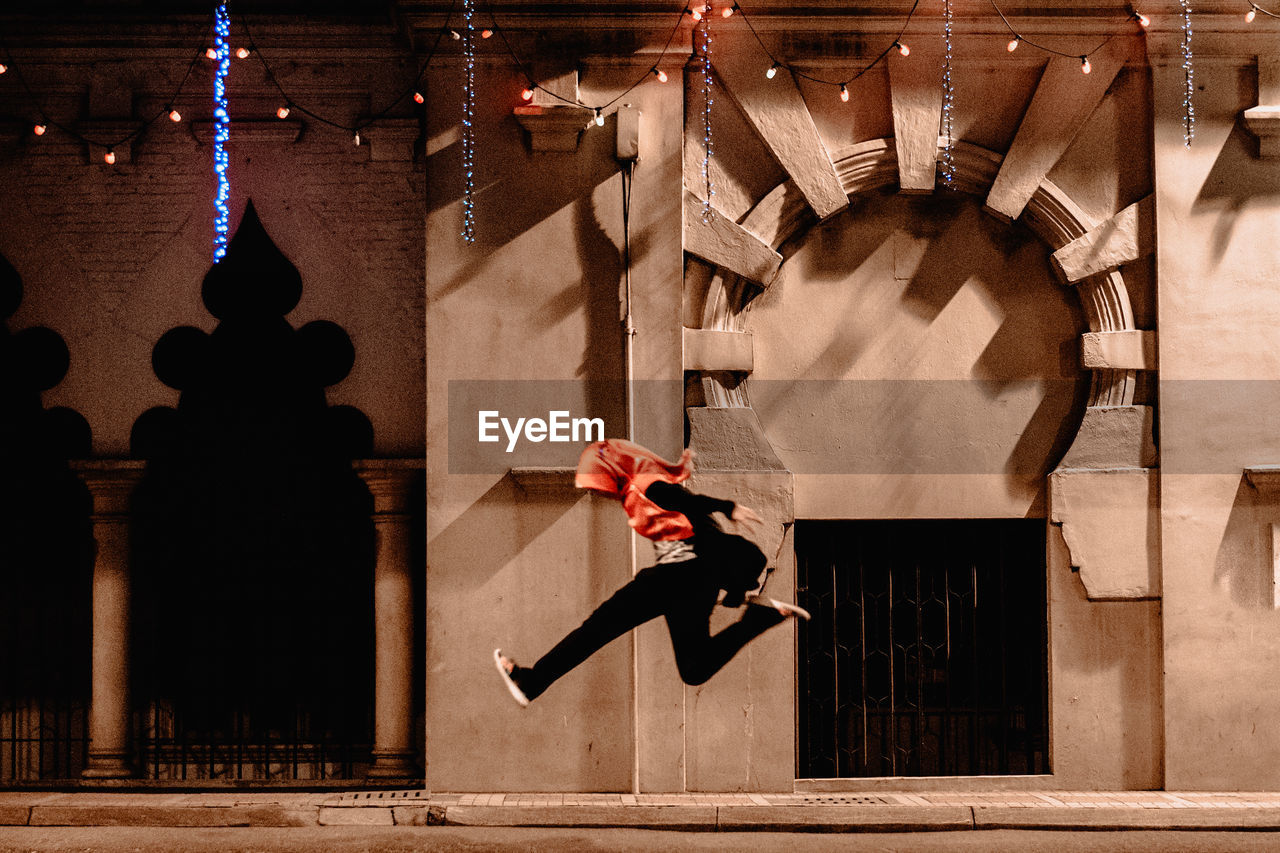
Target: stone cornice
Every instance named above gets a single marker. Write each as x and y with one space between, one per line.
1264 478
793 31
122 35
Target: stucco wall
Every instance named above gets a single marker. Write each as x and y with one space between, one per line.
1105 690
1217 215
915 358
537 298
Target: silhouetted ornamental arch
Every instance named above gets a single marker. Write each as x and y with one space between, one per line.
46 557
254 546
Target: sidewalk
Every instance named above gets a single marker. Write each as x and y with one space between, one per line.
880 811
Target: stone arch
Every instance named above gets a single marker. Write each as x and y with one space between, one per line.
782 215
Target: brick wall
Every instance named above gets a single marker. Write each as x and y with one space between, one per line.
113 256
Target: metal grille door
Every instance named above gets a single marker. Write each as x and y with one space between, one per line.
927 651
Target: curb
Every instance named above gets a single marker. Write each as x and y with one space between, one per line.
687 818
1105 818
185 816
844 818
683 817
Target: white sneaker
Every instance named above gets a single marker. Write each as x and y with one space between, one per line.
516 693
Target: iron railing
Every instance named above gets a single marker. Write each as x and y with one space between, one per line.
927 651
44 676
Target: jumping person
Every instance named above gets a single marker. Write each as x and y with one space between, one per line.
697 565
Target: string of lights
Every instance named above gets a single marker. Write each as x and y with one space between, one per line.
40 126
708 139
701 14
1255 10
1085 65
777 64
1188 78
532 85
468 122
948 100
222 130
288 104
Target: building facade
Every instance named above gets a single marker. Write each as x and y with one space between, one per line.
987 343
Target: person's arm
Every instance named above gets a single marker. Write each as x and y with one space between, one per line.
691 504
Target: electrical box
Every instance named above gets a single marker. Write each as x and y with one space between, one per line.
628 132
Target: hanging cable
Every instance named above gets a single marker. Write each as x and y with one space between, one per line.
45 122
1255 10
1019 38
413 89
895 44
628 321
533 84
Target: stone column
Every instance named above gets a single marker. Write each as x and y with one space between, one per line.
389 480
111 484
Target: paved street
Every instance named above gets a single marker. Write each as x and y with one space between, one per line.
348 839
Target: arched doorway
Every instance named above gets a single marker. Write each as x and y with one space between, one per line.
915 368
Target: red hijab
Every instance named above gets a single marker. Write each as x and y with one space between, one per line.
623 470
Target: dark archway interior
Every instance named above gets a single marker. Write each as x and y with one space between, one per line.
46 557
253 543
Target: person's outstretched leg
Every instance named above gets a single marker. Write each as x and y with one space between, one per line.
699 655
633 604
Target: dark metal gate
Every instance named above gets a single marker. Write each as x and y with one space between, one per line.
46 567
927 651
44 681
264 676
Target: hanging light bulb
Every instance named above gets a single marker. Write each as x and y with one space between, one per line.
212 53
175 116
39 130
695 13
1014 42
1143 20
844 93
772 72
283 112
1085 67
599 118
455 35
242 53
527 94
902 48
486 33
418 98
660 74
3 68
1251 14
729 10
110 158
357 138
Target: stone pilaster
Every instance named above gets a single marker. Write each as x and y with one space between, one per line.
111 484
389 482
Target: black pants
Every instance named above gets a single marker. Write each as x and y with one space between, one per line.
685 594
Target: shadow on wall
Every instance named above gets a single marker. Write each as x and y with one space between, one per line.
516 192
46 557
488 535
1243 564
1104 646
919 335
1238 178
253 542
